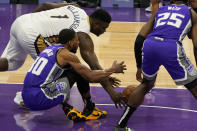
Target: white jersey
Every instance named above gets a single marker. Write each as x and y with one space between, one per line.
64 17
32 33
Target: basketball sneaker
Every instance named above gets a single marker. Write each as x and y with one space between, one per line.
73 114
92 112
19 100
122 129
149 8
96 114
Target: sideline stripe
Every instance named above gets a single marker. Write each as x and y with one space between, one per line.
160 107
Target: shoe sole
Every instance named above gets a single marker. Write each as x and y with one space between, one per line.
73 116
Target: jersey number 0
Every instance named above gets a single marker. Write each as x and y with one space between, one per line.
38 66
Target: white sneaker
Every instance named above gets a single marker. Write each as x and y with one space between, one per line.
149 9
19 100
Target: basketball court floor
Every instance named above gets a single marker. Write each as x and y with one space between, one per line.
166 108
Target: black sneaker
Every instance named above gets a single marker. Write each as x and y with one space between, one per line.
92 112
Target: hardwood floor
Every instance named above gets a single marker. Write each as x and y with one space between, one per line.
115 44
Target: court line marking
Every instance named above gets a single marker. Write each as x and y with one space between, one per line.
160 107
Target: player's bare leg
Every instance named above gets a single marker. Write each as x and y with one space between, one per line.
90 110
135 99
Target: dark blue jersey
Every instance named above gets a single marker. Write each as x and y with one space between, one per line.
172 22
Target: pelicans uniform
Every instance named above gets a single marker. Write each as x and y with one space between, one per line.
163 45
31 33
44 86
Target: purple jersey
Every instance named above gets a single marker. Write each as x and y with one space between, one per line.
44 84
45 69
163 45
172 22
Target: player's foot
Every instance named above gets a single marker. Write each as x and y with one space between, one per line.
122 129
92 112
149 8
73 114
19 100
103 112
96 114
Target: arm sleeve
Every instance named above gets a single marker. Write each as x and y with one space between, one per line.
138 50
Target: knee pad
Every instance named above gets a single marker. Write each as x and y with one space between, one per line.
14 64
191 85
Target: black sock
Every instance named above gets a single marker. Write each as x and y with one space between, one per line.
66 107
88 103
88 106
126 115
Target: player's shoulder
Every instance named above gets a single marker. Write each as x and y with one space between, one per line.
67 55
73 7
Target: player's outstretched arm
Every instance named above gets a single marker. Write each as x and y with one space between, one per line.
51 5
87 52
96 75
85 72
86 47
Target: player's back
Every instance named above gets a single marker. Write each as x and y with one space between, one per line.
45 69
172 22
50 22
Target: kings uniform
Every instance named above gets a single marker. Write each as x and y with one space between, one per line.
44 86
163 45
31 33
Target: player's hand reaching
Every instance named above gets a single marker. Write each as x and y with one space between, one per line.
118 67
139 75
118 99
114 81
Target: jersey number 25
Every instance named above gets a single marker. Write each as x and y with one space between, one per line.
173 19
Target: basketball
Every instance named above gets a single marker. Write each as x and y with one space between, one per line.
128 90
